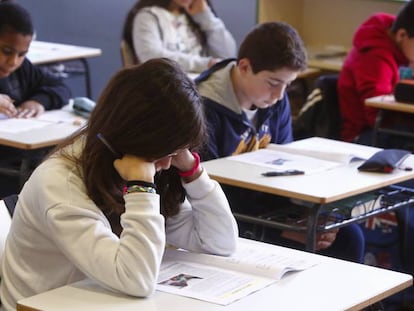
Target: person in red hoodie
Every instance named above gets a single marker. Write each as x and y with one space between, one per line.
381 45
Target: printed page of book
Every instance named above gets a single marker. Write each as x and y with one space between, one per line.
20 125
223 280
282 161
327 149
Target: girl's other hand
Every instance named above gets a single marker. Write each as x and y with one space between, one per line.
196 6
130 167
184 161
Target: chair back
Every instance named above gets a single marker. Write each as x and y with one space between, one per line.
128 55
328 85
320 116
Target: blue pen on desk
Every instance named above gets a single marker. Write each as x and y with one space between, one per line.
104 141
283 173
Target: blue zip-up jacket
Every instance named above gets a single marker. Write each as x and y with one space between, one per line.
30 82
232 133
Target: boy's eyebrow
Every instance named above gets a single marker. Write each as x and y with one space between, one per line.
3 45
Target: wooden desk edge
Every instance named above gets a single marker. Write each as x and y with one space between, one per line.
28 146
68 58
394 106
367 303
20 307
301 196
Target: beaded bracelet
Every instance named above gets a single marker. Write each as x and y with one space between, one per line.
195 167
139 186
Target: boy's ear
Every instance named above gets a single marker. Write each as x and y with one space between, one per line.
244 65
400 35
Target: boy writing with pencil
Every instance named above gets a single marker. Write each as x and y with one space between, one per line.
25 90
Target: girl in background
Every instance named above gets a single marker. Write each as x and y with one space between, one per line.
187 31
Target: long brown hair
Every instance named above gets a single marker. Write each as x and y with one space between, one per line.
140 4
149 111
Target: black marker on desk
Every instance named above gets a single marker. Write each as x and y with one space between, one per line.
283 173
103 140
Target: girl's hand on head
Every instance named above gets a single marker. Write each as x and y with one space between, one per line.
196 6
183 161
130 167
30 109
6 106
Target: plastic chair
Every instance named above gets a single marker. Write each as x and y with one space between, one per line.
320 116
128 55
328 85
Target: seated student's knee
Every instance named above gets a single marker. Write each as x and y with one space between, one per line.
349 244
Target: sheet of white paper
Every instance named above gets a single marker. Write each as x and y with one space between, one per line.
223 280
20 125
282 161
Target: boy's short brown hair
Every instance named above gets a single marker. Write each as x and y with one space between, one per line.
405 19
272 46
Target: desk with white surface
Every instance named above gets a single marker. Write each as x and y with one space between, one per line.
43 53
318 189
331 285
388 103
55 126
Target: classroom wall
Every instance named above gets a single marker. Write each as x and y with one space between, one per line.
98 23
324 22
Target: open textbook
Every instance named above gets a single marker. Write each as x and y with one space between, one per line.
223 280
309 155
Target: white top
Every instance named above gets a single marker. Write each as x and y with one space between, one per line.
159 33
46 130
59 236
5 222
332 285
320 187
41 52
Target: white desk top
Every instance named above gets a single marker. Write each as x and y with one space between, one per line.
388 102
41 52
331 285
322 187
55 125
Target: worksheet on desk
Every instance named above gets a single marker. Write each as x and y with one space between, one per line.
20 125
282 161
223 280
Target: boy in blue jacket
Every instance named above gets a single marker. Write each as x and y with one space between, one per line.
247 107
25 90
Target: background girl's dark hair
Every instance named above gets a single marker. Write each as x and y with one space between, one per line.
405 19
127 30
272 46
149 111
15 18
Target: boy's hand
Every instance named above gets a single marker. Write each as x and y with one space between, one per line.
323 240
6 106
130 167
197 6
30 109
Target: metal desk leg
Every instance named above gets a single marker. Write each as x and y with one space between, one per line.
311 227
87 77
378 121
